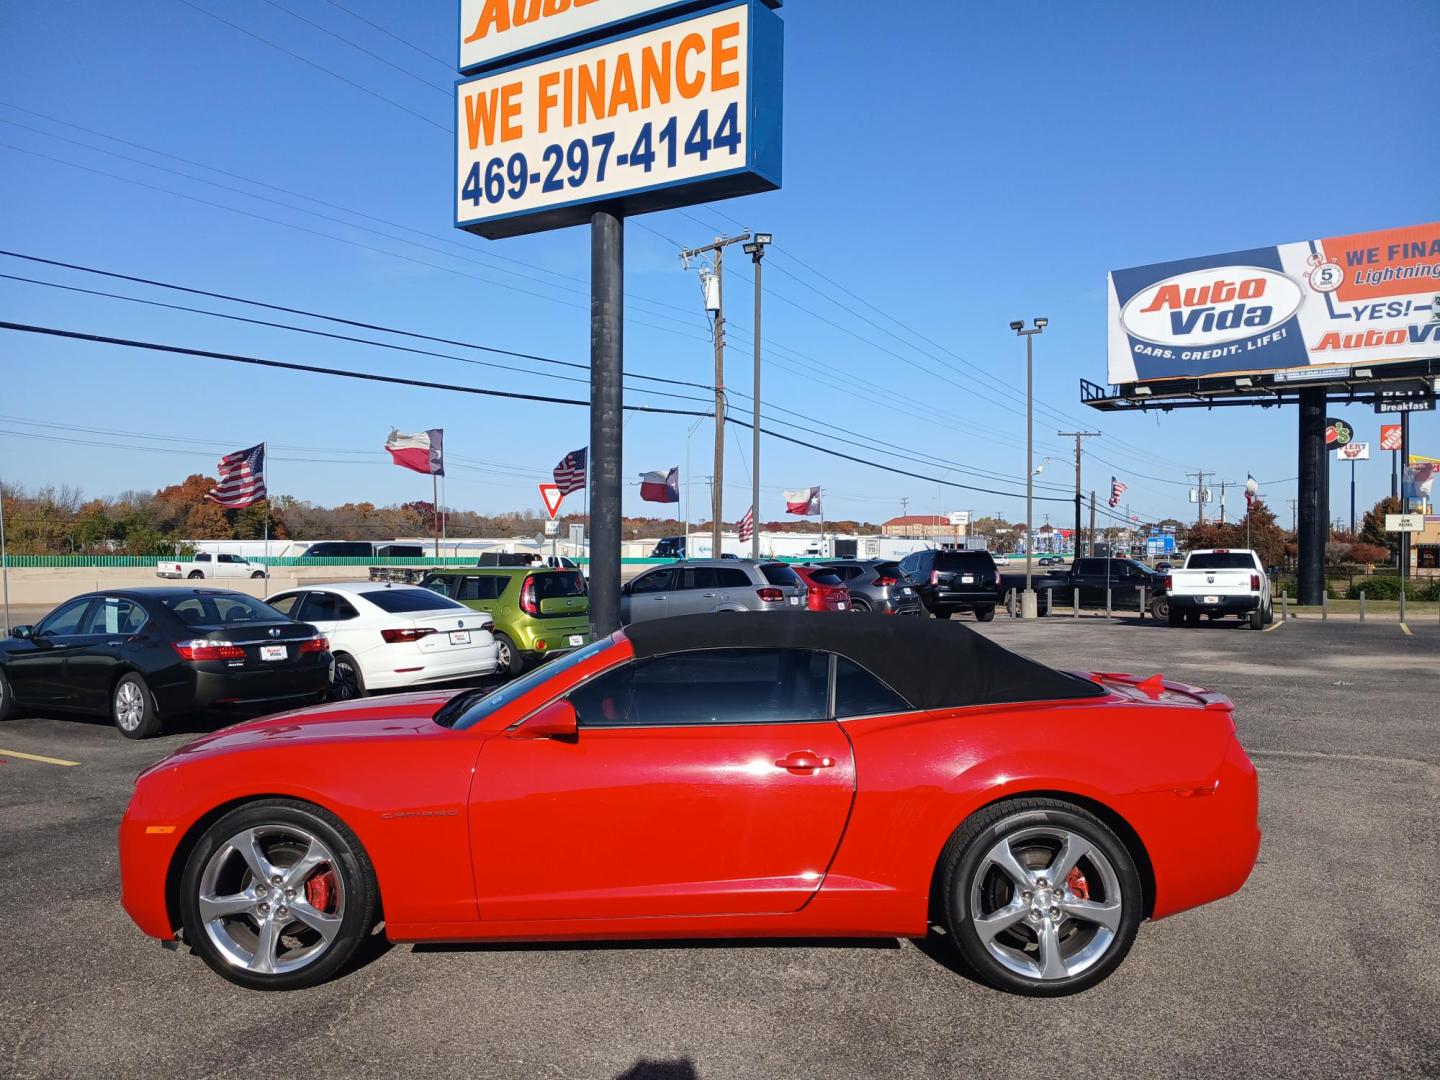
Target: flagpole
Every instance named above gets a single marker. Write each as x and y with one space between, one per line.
265 454
435 510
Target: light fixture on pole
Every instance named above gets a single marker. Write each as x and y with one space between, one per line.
1028 607
756 250
1251 487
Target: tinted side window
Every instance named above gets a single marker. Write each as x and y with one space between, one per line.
326 607
858 693
713 686
443 584
400 601
475 588
115 616
286 604
655 581
728 577
699 577
202 557
64 621
1090 567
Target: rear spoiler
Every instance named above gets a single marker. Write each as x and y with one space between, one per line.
1158 688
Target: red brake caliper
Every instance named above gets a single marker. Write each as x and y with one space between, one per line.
1076 883
320 890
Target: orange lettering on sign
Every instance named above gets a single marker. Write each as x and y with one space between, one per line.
592 89
689 86
548 98
623 90
655 76
495 15
722 54
480 114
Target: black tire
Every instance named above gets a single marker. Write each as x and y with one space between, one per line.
257 574
860 605
349 681
132 708
7 699
1174 616
355 889
1257 619
1269 614
195 574
968 874
941 614
984 614
1192 618
512 663
1160 609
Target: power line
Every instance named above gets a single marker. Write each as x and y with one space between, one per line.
448 65
318 67
444 89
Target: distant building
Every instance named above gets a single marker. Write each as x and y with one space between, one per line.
926 526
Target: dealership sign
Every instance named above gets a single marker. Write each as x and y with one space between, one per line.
668 115
1364 299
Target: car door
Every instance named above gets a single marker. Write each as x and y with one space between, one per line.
648 596
696 589
1089 578
98 650
36 668
700 783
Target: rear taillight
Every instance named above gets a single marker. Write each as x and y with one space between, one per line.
527 597
315 644
934 577
770 595
1254 582
1169 583
205 649
885 581
409 633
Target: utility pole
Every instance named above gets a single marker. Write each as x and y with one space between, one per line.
713 283
1223 485
904 507
1199 493
607 417
1091 546
1292 514
1078 436
756 250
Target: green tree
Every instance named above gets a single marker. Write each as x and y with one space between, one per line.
1373 529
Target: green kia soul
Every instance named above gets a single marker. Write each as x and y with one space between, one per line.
537 611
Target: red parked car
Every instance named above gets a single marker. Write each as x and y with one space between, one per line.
824 589
709 777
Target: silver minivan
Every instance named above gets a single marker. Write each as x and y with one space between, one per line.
700 585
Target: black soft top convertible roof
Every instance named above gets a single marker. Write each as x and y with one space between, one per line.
931 664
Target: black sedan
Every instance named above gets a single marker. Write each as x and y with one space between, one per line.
145 656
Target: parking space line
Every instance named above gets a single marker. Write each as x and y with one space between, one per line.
1404 629
1272 626
36 757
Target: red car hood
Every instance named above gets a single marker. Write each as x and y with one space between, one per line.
387 717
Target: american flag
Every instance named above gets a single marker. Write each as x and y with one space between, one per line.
747 526
242 479
570 473
1116 490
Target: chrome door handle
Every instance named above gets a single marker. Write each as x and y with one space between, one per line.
708 595
114 643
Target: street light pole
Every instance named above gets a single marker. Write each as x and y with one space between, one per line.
756 250
1028 608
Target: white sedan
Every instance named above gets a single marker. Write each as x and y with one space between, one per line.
387 635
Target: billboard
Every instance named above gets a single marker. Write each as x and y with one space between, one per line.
679 113
1364 299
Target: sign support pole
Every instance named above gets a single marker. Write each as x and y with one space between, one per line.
4 559
1352 496
607 285
1314 501
1404 503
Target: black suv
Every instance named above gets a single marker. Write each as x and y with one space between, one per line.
951 581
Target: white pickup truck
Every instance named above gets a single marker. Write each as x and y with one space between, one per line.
1218 582
206 565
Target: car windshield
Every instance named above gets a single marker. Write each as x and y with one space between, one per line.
468 709
1221 560
824 577
201 609
964 560
399 601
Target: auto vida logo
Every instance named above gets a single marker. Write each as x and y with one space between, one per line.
1210 307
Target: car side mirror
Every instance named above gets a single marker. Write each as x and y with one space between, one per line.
22 632
625 589
555 721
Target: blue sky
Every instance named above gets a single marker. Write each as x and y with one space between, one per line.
948 167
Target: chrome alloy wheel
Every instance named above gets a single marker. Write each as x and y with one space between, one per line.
346 685
272 899
503 658
1046 903
129 705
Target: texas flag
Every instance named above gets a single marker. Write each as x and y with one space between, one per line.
804 502
661 487
422 451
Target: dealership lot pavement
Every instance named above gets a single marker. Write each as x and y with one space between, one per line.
1327 963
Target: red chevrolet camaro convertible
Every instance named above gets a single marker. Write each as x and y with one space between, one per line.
787 775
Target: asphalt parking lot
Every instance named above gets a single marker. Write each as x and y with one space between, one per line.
1326 964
